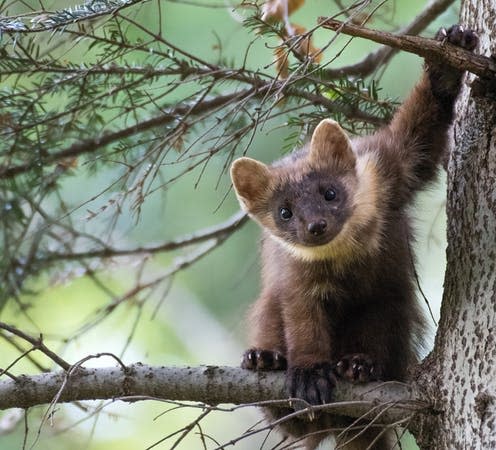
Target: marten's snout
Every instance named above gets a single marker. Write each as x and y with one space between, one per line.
317 228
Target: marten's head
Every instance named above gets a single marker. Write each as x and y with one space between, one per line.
320 202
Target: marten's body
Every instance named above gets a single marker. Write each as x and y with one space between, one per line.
338 287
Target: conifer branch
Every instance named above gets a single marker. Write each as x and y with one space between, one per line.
96 143
257 91
41 21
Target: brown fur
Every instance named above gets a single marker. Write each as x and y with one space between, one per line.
354 294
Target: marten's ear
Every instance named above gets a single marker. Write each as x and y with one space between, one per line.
331 145
251 181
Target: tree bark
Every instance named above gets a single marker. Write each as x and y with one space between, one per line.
459 377
392 401
431 49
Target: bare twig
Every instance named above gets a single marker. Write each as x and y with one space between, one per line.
20 349
222 229
73 369
38 344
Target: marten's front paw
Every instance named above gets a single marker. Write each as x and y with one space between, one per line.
459 36
446 80
357 368
257 359
313 384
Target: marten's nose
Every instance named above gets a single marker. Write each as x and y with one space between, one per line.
317 228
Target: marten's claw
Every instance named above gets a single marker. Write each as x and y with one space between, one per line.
459 36
258 359
313 384
357 368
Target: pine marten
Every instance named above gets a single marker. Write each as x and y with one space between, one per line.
338 297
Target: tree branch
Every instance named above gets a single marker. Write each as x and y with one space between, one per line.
37 344
383 54
206 384
427 48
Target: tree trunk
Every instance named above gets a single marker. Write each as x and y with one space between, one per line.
459 377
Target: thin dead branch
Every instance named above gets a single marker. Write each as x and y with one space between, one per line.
221 230
37 344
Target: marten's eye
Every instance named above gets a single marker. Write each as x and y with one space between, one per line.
285 213
330 194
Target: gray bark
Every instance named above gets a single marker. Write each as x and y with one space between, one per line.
207 384
459 377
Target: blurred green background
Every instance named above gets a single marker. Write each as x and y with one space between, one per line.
201 320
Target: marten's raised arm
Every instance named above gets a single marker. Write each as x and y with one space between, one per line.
414 143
